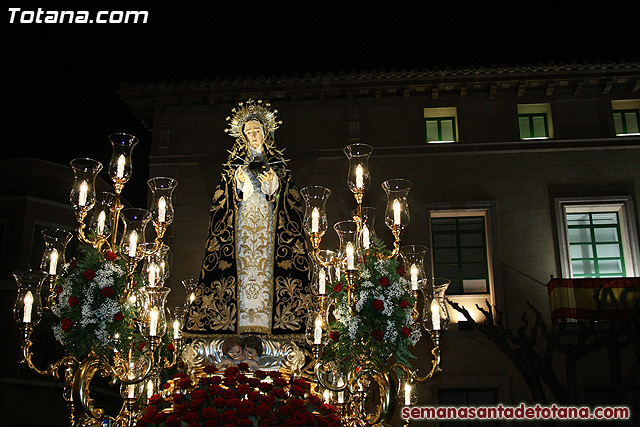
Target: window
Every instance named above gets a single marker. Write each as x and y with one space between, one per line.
534 121
597 238
626 117
461 251
441 125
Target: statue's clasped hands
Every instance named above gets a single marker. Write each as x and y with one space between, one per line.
266 176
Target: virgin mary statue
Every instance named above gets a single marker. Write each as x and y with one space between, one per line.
255 270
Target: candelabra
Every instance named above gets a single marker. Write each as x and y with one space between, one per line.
380 317
110 325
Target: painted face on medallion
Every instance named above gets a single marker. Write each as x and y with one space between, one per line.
254 133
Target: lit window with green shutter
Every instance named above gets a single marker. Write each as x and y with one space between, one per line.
595 246
533 126
441 129
460 253
626 122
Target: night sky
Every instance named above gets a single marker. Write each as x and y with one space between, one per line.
61 79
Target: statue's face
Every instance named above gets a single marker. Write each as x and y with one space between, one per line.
254 133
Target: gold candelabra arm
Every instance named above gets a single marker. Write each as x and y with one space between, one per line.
87 415
117 207
351 276
175 355
53 369
360 383
396 230
435 363
315 239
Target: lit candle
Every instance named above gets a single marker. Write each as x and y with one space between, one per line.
350 265
317 331
365 237
162 209
131 391
327 396
101 220
53 263
435 315
133 244
152 274
396 212
315 220
322 277
176 329
28 305
341 397
407 394
149 389
359 178
192 297
414 278
120 169
153 322
82 196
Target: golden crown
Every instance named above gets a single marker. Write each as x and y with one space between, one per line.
252 110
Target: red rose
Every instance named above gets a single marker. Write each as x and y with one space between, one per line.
73 301
335 336
242 389
279 393
384 281
377 304
296 391
107 292
405 332
190 417
285 410
199 394
184 383
210 369
337 287
377 334
149 414
142 345
205 381
73 264
209 413
66 324
246 405
88 275
156 399
230 371
260 374
243 366
110 256
263 409
215 389
219 402
59 289
403 304
279 382
216 380
266 387
254 395
229 393
196 404
401 272
118 316
297 403
170 347
230 381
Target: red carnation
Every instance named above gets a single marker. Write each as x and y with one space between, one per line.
377 334
335 336
377 305
66 324
118 316
88 275
384 281
337 287
401 272
403 304
110 256
73 301
107 292
405 332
